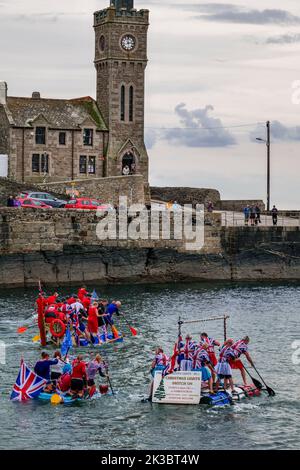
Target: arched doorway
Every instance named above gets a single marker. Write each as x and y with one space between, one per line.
128 164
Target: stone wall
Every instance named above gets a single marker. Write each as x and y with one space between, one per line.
63 159
105 189
262 253
61 247
185 195
239 205
4 131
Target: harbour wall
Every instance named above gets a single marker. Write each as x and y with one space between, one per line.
106 189
61 247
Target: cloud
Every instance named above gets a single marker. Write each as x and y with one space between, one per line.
151 136
229 13
284 39
279 132
200 129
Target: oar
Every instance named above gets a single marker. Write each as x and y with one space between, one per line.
269 389
256 382
108 379
133 330
22 329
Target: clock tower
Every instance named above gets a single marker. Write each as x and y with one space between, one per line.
120 61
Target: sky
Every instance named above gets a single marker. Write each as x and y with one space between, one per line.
217 72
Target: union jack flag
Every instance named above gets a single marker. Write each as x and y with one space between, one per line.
28 385
170 367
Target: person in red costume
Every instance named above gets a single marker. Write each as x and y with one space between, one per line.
93 319
52 299
51 313
41 304
86 302
71 300
82 292
78 376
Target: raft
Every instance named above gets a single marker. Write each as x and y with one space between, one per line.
110 339
67 400
223 397
217 399
46 397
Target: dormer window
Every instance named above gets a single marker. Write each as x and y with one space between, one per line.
88 135
40 135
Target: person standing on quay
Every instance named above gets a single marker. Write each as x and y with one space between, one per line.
252 216
246 214
274 215
258 213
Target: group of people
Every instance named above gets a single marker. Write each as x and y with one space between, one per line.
13 201
190 355
76 378
88 318
253 214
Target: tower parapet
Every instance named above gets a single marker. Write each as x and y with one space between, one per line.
112 14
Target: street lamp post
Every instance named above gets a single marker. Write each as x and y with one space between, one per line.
268 144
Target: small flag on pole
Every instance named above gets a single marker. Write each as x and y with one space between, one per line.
67 343
94 296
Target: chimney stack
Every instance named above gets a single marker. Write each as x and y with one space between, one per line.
3 92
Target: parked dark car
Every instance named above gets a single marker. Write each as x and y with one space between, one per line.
45 198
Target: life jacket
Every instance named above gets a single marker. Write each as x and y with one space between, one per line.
50 314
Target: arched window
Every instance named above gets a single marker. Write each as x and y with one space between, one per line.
122 103
131 98
128 164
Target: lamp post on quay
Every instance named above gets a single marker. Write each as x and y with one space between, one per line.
268 144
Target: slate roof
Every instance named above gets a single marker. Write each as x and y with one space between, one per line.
60 114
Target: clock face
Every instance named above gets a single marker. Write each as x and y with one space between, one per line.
102 43
128 42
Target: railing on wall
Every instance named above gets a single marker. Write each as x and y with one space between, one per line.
284 219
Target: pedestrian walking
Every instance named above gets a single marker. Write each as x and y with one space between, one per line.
247 214
257 215
252 216
210 206
274 215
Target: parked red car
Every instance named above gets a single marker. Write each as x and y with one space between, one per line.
87 203
33 204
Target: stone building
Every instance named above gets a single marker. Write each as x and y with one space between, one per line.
58 139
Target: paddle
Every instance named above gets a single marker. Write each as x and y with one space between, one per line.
256 382
108 379
133 330
269 389
22 329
